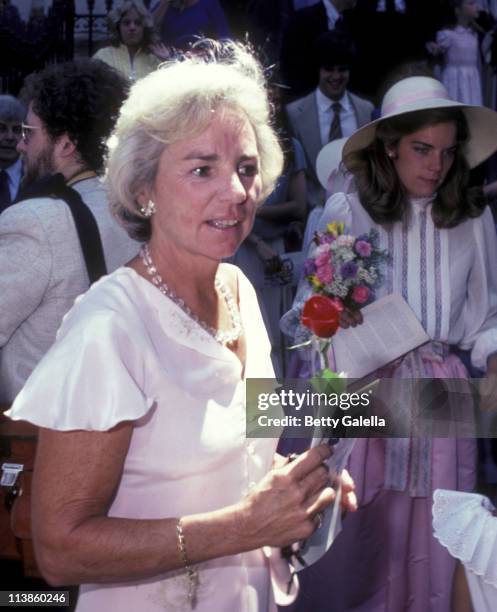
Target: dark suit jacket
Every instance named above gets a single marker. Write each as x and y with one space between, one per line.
304 121
297 62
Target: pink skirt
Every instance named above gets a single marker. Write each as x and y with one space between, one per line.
386 558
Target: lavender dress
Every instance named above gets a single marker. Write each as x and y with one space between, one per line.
461 70
386 559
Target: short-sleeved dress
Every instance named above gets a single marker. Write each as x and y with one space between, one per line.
125 352
386 558
461 70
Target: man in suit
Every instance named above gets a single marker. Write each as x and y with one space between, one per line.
71 113
300 34
12 113
330 111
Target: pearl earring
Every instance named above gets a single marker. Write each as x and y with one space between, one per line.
148 210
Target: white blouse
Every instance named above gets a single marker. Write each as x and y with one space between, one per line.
447 276
125 352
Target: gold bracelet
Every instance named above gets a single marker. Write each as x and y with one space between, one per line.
191 572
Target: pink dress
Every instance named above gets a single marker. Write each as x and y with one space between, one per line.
125 352
386 558
461 70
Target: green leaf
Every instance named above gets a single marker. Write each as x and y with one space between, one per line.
328 381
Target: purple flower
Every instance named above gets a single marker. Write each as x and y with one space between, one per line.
309 267
327 238
348 270
363 248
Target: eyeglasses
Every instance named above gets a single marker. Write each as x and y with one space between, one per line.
27 131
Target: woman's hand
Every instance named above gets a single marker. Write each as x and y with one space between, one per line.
488 385
348 500
350 318
282 508
433 48
161 51
269 257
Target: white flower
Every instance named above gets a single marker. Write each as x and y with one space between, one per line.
368 276
338 288
346 240
322 248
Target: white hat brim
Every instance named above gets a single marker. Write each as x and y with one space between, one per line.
482 125
329 159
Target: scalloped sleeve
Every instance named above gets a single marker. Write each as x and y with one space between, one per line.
464 524
92 378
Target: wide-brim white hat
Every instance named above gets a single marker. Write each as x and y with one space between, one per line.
328 159
422 93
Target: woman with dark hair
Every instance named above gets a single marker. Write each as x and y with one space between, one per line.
132 50
411 169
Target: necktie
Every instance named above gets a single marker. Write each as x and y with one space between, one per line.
389 6
5 199
335 127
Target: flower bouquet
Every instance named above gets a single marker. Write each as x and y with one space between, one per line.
344 267
343 272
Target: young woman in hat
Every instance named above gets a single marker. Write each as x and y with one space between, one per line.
411 170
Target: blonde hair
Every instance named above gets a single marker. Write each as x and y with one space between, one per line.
114 19
176 102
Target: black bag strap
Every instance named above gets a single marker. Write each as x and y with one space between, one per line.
86 225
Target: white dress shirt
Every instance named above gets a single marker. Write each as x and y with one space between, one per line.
14 173
348 119
332 14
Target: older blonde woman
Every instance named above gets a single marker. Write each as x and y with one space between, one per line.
146 490
132 50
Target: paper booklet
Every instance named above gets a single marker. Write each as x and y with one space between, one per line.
390 330
315 547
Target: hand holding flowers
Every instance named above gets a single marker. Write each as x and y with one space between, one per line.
345 267
343 272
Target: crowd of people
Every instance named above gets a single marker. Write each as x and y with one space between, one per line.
157 202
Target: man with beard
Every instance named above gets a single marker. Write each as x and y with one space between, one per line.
12 113
72 109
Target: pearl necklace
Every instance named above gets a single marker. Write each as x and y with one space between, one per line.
222 337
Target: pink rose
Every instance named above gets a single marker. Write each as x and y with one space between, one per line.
324 274
360 294
323 259
363 248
